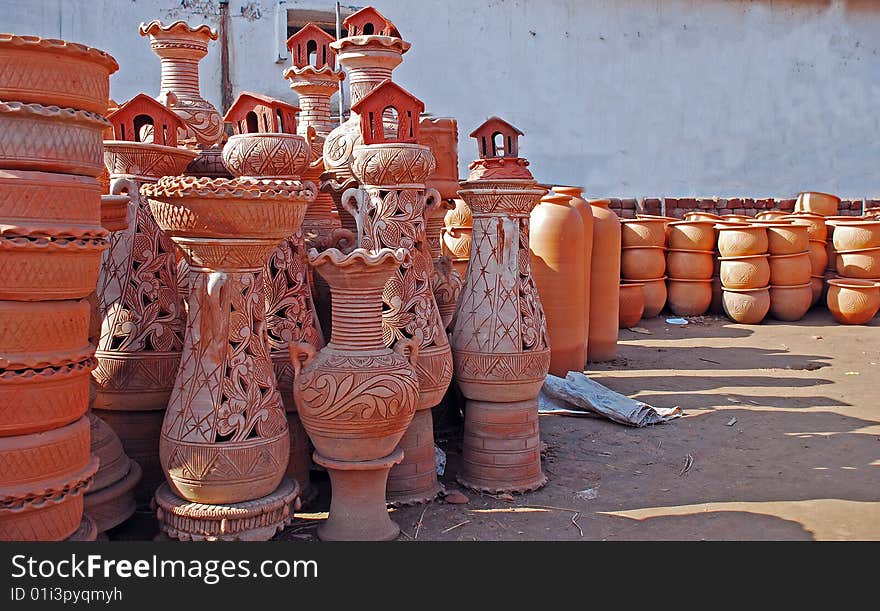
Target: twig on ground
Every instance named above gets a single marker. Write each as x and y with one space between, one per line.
574 521
419 523
688 463
454 527
709 361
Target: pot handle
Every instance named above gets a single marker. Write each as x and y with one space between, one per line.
433 201
301 354
408 348
353 202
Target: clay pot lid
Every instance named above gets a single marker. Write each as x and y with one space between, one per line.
858 250
762 256
853 283
155 26
84 117
55 45
704 280
692 250
792 286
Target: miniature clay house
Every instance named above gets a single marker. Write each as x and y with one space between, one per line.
310 40
370 22
143 119
252 113
389 102
497 138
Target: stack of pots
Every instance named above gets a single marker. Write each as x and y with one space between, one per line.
744 272
690 264
857 247
791 292
818 249
53 95
643 259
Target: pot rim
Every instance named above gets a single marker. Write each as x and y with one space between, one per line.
818 193
691 250
654 217
784 226
854 283
763 288
671 279
857 250
643 282
634 283
765 255
643 220
819 241
793 255
738 226
642 247
822 276
694 222
793 286
858 222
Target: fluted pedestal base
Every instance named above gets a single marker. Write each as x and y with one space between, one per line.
357 506
257 520
414 480
502 447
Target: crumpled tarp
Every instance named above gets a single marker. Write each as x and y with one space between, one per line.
578 395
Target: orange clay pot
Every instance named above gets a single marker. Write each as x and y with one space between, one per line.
737 217
742 240
853 301
790 303
817 284
750 272
642 262
556 241
790 270
643 232
856 235
44 268
771 215
632 304
864 264
580 204
691 235
44 334
655 294
689 297
816 223
690 264
787 239
701 216
818 203
604 283
746 306
818 257
43 203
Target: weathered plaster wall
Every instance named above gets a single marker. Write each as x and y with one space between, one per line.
630 97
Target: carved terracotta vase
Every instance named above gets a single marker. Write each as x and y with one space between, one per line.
357 397
391 213
605 283
457 235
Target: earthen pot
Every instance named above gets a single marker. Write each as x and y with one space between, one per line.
690 264
787 238
687 297
853 301
737 217
691 235
771 215
816 223
749 272
857 235
248 155
655 293
114 212
790 270
790 303
864 263
43 203
632 304
818 203
742 240
701 216
642 262
667 220
604 283
583 208
746 306
817 284
818 257
643 232
38 334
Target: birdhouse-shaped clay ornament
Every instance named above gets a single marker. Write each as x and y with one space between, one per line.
369 22
389 113
497 138
311 47
143 119
252 113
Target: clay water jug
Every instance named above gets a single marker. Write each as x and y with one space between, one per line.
583 208
604 282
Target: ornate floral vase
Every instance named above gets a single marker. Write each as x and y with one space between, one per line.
357 397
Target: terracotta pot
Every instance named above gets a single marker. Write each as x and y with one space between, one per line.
750 272
643 232
816 223
655 294
746 306
144 161
39 71
457 236
737 217
356 397
691 235
771 215
857 235
818 203
853 301
688 297
701 216
818 257
790 303
642 262
717 305
604 283
583 208
742 240
44 334
863 263
690 264
632 304
556 241
114 212
266 155
817 285
51 139
45 268
787 239
790 270
42 203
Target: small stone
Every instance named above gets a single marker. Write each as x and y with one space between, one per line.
455 497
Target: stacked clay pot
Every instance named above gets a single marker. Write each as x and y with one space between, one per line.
690 264
52 96
817 248
632 304
744 272
791 291
853 301
643 259
856 244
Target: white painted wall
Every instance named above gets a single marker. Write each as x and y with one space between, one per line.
629 97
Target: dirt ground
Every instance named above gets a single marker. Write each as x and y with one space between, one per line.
782 427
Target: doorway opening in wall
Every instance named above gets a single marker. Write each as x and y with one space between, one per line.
326 20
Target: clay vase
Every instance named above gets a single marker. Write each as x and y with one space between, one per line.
583 208
790 303
390 210
691 235
180 48
642 262
225 410
655 294
863 263
749 272
632 304
604 282
701 216
356 397
690 264
457 236
746 306
818 257
817 203
853 301
742 240
790 270
689 297
643 232
856 235
787 239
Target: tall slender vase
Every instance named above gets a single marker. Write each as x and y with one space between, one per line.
604 283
